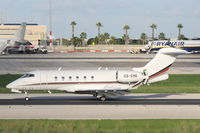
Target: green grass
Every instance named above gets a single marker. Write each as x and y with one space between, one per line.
99 126
6 79
179 83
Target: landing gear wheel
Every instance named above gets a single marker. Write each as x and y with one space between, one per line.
95 95
102 98
27 99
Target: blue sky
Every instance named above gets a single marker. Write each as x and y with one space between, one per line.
113 14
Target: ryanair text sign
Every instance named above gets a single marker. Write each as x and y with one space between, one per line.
169 43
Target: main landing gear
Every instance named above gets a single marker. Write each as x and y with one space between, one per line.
100 97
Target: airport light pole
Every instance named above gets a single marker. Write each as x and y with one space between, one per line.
50 23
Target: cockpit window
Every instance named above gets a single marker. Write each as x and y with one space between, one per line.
28 75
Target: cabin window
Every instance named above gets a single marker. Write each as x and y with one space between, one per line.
77 77
85 77
55 77
70 77
92 77
28 75
63 78
31 75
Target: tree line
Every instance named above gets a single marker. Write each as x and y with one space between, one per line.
105 38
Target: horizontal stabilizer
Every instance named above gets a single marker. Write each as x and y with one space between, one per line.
159 78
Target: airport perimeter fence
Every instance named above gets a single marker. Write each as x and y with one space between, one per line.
98 48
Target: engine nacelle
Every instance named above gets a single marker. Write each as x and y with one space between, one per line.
129 76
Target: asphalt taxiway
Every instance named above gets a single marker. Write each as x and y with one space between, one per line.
131 99
69 106
20 64
108 102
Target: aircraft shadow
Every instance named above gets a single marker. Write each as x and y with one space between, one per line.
91 98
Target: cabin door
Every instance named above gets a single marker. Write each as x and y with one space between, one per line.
43 81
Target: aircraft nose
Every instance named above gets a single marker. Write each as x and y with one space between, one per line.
10 86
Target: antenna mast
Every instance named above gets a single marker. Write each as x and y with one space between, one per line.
50 23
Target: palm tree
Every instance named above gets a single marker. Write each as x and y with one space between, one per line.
161 36
183 37
179 26
143 37
83 36
112 40
126 28
153 27
73 24
107 37
99 25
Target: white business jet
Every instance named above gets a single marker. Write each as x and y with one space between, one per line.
99 83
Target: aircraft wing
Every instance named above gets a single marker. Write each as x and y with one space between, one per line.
108 93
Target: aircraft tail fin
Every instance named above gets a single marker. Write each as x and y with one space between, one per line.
161 62
20 33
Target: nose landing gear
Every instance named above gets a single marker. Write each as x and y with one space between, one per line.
27 98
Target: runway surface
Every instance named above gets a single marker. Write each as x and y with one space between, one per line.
108 102
73 99
69 106
20 64
90 56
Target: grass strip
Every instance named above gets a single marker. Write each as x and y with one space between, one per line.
100 126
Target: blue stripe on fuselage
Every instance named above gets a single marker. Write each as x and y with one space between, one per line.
189 49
